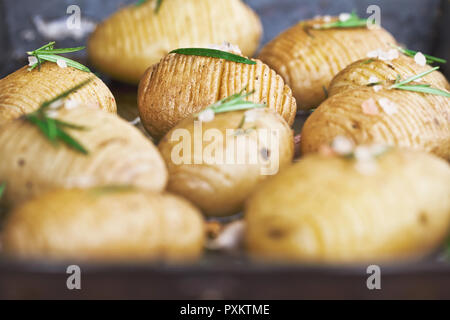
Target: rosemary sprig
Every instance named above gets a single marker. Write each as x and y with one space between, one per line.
213 53
53 129
422 88
49 53
2 189
235 102
157 7
353 22
412 53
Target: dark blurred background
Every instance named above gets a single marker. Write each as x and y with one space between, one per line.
419 24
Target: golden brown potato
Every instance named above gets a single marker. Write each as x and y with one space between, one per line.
392 117
219 177
118 154
325 209
308 59
182 85
359 74
105 224
136 37
24 91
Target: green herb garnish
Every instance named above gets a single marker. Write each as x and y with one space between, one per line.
422 88
158 4
2 189
48 53
55 130
213 53
235 102
412 53
368 61
353 22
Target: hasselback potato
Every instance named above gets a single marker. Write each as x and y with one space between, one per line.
327 209
136 37
240 159
118 154
308 59
362 72
181 85
105 224
24 91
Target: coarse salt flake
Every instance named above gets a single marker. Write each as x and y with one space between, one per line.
373 80
369 107
61 63
389 107
32 60
420 59
342 145
377 88
206 116
344 17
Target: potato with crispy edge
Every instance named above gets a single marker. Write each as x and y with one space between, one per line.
24 91
232 161
118 154
325 210
136 37
182 85
360 73
308 59
110 223
393 117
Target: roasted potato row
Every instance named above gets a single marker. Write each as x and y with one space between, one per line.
24 91
308 59
182 85
136 37
233 161
324 209
105 224
362 72
118 154
393 117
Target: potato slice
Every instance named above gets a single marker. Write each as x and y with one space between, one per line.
392 117
136 37
219 177
118 154
105 224
308 59
24 91
360 73
325 210
181 85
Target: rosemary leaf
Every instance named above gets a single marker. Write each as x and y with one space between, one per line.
48 53
353 22
412 53
158 6
413 78
2 189
71 142
213 53
66 93
70 63
425 89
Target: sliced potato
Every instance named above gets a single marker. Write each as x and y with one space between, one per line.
392 117
105 224
219 177
308 59
326 210
136 37
360 73
24 91
181 85
118 154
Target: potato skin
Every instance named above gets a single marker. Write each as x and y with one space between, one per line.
118 154
135 38
308 59
105 225
322 210
422 121
24 91
220 189
181 85
358 74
